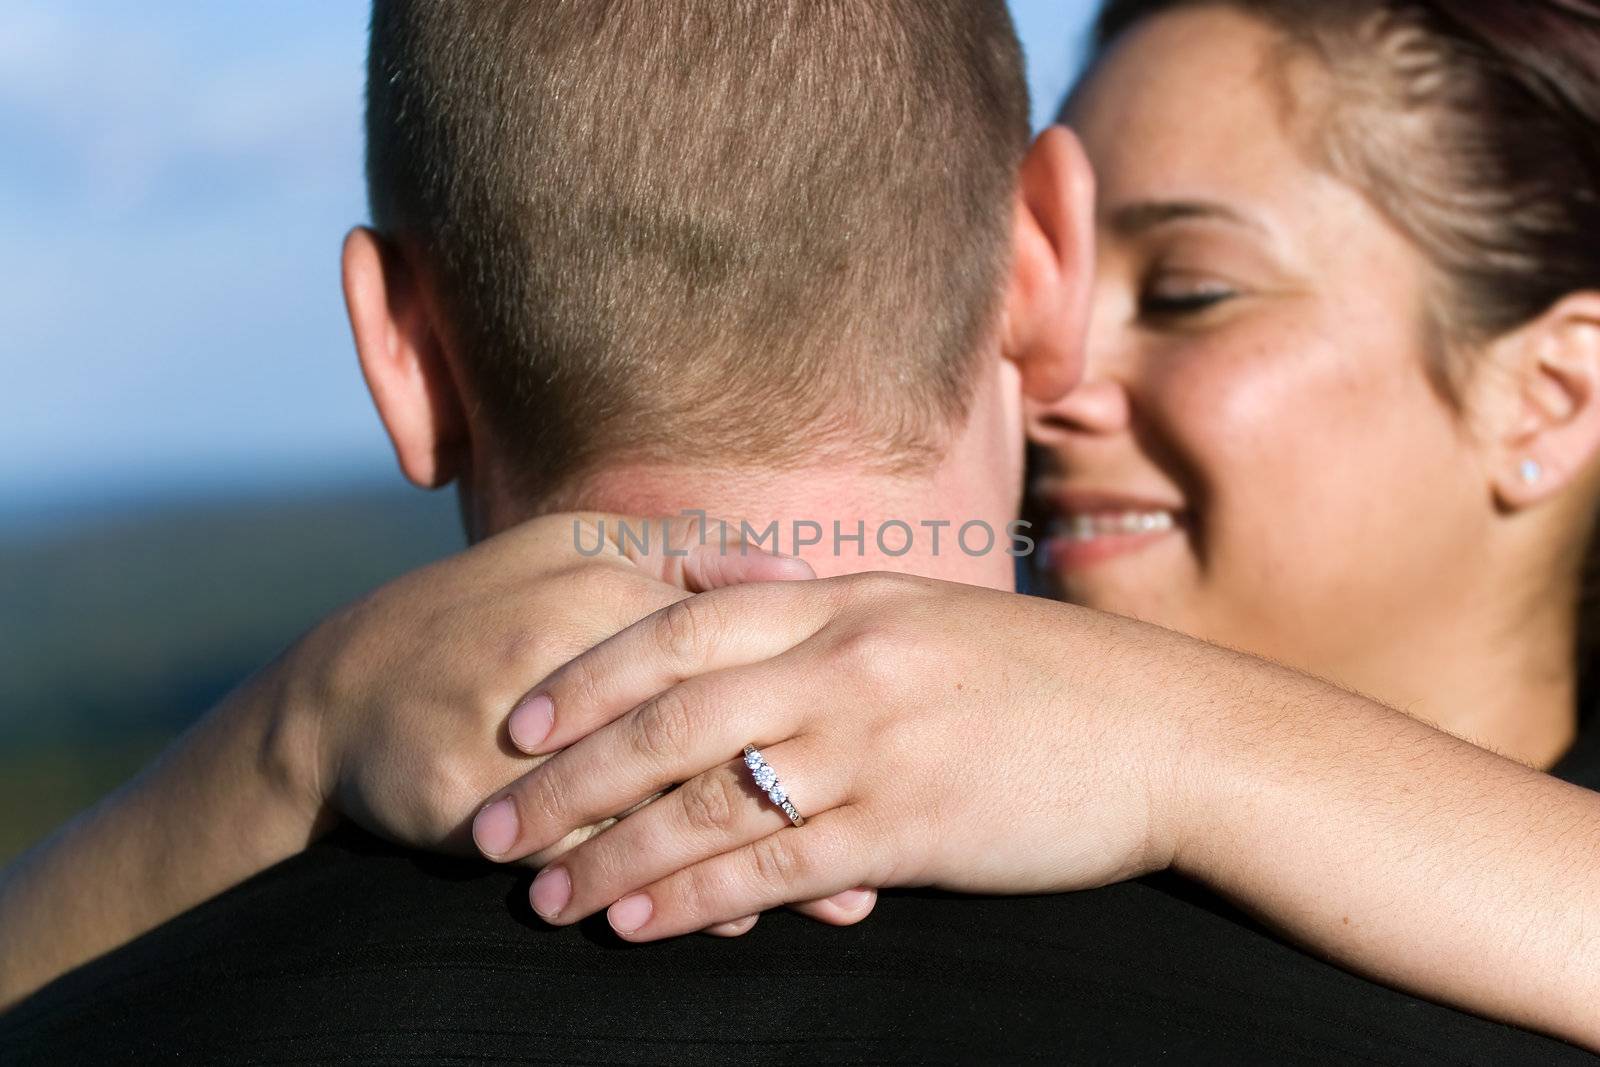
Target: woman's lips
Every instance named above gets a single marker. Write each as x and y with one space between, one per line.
1091 527
1084 539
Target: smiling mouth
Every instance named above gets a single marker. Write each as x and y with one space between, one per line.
1087 527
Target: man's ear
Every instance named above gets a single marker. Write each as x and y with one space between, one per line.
1049 292
402 358
1549 432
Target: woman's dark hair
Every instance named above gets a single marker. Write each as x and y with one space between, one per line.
1474 126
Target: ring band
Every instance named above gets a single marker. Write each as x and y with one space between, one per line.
767 780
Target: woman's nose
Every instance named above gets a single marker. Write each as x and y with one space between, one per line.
1098 406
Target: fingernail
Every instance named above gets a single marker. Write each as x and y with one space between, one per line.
531 721
792 567
551 891
495 828
630 913
852 899
731 929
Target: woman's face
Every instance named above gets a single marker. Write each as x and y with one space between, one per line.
1257 454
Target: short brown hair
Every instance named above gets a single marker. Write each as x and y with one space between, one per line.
703 229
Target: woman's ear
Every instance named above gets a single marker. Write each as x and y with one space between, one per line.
1550 430
402 359
1046 311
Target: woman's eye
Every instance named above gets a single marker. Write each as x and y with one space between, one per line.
1167 301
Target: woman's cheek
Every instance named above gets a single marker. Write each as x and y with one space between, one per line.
1261 427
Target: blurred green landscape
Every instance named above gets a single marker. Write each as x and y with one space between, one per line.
119 625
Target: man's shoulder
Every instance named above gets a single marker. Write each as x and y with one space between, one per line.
356 951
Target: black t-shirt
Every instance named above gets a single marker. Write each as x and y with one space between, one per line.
359 952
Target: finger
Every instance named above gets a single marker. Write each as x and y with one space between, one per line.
827 855
734 929
697 553
719 556
710 567
709 632
715 812
841 909
670 738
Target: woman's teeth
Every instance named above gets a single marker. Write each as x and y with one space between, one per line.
1107 523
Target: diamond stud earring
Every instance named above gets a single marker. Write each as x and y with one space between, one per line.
1530 471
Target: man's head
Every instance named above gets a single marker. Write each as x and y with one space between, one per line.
747 233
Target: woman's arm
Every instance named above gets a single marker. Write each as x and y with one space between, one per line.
223 802
1397 850
389 711
935 734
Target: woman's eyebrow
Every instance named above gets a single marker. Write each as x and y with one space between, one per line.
1130 220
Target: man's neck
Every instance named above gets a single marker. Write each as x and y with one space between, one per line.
950 522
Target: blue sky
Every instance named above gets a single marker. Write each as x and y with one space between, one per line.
176 181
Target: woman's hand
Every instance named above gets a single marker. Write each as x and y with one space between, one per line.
390 712
937 734
394 707
929 733
399 702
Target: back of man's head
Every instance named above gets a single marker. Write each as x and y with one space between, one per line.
703 231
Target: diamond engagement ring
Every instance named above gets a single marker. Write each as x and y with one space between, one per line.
767 780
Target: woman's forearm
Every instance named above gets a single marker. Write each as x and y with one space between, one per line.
393 703
1076 749
226 800
1396 850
